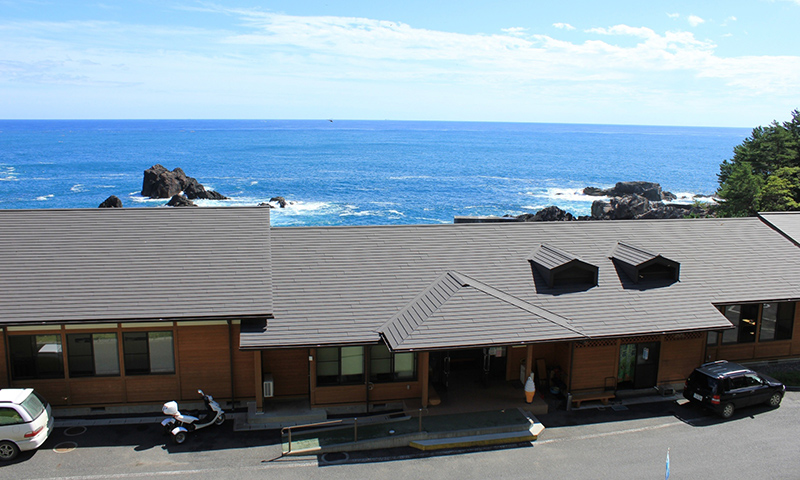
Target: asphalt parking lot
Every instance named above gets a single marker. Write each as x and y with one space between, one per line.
616 442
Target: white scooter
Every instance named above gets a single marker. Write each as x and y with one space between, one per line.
179 425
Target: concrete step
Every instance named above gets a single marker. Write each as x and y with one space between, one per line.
526 430
517 436
278 418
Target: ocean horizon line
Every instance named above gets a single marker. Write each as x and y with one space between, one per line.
356 120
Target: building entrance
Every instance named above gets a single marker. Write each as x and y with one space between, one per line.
477 366
638 365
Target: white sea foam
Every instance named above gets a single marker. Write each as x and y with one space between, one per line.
395 212
411 177
689 198
360 213
8 174
45 197
434 220
138 198
304 208
565 194
78 187
254 182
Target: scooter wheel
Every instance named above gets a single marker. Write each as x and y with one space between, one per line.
179 437
220 419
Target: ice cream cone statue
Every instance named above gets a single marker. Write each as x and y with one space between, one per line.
530 389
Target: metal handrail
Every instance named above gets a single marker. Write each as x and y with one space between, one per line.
420 418
288 430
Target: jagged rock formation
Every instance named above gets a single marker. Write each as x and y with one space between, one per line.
280 201
161 183
548 214
628 201
180 201
649 190
111 202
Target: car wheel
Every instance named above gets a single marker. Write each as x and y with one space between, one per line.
220 419
775 400
8 451
180 437
727 410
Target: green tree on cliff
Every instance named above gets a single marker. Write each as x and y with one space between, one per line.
764 173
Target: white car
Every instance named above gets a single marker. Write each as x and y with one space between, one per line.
25 421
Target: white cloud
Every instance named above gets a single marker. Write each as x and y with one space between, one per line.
564 26
673 15
694 20
642 32
273 63
515 31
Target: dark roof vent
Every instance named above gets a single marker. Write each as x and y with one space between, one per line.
562 269
642 266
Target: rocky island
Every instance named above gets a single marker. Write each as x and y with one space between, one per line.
626 201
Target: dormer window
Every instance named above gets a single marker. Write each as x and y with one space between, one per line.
642 266
563 269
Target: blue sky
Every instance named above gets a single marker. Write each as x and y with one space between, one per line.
710 63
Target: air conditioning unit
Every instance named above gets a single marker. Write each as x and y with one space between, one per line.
269 386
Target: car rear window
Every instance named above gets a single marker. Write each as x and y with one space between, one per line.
34 405
704 383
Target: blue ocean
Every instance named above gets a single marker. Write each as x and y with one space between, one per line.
356 172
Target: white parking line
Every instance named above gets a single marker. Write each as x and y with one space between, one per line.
607 434
266 466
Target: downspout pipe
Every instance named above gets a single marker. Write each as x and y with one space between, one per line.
230 354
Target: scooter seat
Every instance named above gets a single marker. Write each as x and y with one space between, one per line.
185 418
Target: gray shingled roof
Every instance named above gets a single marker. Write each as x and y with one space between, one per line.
551 261
631 255
551 258
338 285
787 223
455 304
134 264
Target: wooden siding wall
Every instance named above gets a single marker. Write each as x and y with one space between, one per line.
340 395
592 363
289 369
244 367
383 392
205 362
516 357
563 359
680 354
202 360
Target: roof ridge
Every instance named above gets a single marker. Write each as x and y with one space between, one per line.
424 293
519 303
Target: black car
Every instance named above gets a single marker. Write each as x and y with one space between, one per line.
725 386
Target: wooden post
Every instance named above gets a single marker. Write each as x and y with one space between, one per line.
259 379
528 361
423 377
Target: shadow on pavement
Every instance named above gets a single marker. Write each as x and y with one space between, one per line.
405 453
145 437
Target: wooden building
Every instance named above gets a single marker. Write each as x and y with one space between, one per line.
610 305
131 306
140 306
